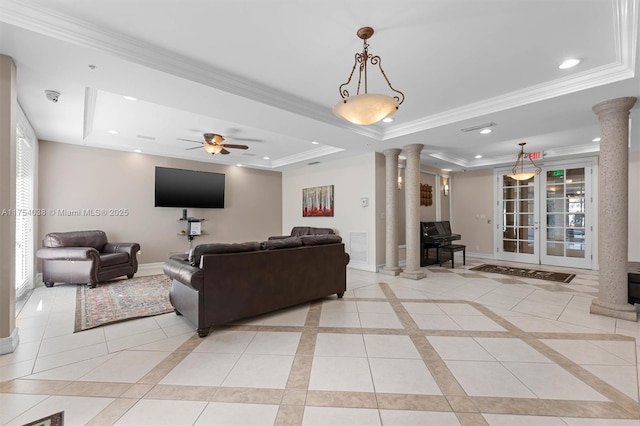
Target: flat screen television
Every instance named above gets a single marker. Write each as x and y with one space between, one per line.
189 188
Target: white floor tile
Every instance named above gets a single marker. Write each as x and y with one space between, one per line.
191 371
339 319
274 343
155 412
226 341
350 345
622 377
125 367
229 414
341 374
510 349
515 420
550 381
376 320
260 371
435 322
584 352
459 348
482 378
323 416
390 346
410 376
418 418
14 405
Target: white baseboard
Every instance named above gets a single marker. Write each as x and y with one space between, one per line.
362 266
10 343
142 267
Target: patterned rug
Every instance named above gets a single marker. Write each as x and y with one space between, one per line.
56 419
121 300
526 273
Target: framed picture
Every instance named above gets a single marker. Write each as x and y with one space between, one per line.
317 201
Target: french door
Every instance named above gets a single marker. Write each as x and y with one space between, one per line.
549 218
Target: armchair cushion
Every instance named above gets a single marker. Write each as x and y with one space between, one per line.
95 239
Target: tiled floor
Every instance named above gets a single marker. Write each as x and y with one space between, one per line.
458 347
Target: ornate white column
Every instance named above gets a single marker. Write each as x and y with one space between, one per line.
613 209
391 244
8 106
412 207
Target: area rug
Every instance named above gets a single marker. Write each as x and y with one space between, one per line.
121 300
526 273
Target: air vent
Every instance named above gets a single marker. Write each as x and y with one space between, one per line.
313 163
478 127
149 138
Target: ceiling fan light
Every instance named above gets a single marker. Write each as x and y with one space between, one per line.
367 108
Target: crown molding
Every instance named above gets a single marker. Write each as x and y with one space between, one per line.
32 17
625 37
305 156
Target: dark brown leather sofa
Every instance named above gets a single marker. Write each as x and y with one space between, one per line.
222 283
85 257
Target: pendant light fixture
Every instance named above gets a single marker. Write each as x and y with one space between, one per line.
518 172
366 108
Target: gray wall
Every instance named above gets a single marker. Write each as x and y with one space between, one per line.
78 177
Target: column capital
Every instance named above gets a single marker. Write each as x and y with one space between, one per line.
413 148
614 106
392 152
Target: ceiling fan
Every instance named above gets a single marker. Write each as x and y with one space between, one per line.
213 144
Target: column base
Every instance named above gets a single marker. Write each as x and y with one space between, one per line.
625 311
413 275
10 343
390 270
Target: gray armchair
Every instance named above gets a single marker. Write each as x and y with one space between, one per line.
85 257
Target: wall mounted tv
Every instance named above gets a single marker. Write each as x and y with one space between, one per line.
189 188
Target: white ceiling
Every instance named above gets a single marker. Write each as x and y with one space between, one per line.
269 71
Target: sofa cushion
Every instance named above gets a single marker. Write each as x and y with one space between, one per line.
216 248
299 231
111 259
315 240
95 239
289 242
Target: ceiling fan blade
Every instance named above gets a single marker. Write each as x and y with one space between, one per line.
244 139
195 147
189 140
224 152
230 145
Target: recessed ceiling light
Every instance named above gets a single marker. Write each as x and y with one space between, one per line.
137 150
130 98
446 170
315 143
478 156
569 63
113 132
485 131
387 120
266 158
239 165
595 140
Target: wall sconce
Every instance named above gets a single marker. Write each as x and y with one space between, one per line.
445 189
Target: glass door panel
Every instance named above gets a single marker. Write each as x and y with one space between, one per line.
547 219
519 220
566 209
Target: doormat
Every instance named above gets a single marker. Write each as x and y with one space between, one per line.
121 300
56 419
526 273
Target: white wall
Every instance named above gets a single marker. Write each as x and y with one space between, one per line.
353 178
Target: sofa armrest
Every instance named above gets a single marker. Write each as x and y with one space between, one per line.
130 248
68 253
183 272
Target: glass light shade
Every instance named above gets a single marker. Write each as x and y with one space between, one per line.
522 175
366 109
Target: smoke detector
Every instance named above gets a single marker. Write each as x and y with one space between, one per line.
52 95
